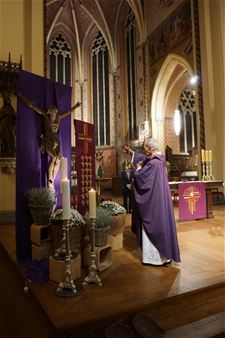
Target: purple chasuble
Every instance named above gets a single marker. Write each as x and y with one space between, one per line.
154 206
31 164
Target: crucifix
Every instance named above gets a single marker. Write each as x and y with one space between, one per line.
191 196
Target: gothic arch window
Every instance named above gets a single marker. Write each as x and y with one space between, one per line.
100 78
131 76
188 133
60 60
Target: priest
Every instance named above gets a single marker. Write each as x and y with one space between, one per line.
153 219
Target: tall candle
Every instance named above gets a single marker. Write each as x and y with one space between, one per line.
63 168
203 155
66 199
207 156
63 171
92 203
210 155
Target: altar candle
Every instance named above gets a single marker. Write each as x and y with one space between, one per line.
63 171
207 156
92 203
63 168
203 155
66 199
210 155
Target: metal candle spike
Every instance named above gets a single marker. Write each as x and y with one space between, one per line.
92 276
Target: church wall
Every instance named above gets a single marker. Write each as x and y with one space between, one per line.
12 30
141 95
21 34
37 42
212 27
7 192
158 11
171 139
172 36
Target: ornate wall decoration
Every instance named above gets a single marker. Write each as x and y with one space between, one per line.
172 32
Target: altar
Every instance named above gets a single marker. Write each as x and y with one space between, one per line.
210 186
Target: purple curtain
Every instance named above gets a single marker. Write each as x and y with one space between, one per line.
31 165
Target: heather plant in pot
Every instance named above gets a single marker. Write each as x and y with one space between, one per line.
103 219
118 216
41 202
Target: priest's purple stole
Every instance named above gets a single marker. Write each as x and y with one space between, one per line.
85 163
31 165
192 200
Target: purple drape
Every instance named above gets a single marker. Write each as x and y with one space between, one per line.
31 165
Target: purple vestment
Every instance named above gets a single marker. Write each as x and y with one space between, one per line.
154 206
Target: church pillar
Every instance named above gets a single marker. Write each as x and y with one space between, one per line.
82 99
117 133
158 133
212 27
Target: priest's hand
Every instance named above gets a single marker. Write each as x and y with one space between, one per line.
127 150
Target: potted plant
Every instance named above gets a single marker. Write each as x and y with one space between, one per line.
41 202
103 219
118 214
76 229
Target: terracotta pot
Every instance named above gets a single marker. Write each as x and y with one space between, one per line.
117 224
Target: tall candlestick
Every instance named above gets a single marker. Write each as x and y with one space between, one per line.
203 155
210 155
207 156
92 203
66 199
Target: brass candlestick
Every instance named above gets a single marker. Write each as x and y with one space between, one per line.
211 177
92 276
204 177
67 288
60 253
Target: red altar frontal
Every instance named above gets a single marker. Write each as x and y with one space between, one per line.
210 187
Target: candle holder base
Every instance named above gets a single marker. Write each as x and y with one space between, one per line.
69 290
92 278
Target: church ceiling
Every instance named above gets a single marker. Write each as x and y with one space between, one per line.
84 14
78 18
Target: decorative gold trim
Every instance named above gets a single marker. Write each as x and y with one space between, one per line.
8 165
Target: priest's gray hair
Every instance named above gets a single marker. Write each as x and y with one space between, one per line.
152 143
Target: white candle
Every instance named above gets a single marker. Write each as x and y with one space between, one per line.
210 155
207 156
203 155
63 168
92 203
66 199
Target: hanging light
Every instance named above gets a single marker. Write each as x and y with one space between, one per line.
177 122
194 79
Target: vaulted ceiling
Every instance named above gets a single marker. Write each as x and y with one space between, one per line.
78 18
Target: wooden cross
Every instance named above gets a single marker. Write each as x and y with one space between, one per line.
85 137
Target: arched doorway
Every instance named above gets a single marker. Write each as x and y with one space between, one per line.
174 76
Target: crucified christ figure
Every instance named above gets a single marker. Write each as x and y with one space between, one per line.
50 142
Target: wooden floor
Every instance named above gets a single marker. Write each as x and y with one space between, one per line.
173 295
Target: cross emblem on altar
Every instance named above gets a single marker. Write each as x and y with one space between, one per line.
191 196
85 138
